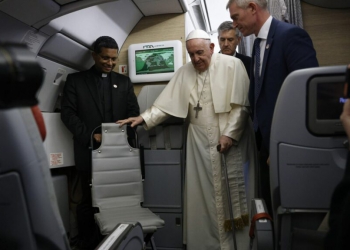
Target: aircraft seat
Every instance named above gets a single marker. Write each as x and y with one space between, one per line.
167 135
124 237
307 155
163 155
29 213
117 188
261 229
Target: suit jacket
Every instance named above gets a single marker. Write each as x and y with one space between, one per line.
246 61
81 109
288 48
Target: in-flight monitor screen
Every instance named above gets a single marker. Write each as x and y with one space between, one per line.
154 61
330 100
326 97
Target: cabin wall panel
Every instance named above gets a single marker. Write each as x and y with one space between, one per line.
29 12
329 31
151 29
15 31
62 49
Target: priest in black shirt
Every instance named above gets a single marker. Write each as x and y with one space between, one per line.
92 97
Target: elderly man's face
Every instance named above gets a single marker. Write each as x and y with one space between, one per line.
228 42
200 52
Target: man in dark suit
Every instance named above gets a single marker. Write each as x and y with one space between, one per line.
229 38
92 97
280 48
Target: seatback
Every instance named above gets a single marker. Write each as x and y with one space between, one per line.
116 171
29 213
30 219
307 156
117 188
169 134
163 150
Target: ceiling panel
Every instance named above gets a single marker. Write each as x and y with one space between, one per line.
115 19
29 12
157 7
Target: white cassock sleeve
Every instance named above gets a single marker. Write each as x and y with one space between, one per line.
153 116
236 123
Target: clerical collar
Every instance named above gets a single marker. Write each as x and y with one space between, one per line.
99 73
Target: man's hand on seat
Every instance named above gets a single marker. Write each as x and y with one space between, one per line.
98 137
133 120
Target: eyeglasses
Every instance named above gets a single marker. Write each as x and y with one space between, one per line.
107 58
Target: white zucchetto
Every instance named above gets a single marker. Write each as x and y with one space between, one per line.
197 34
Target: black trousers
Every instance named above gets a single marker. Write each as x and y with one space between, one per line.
88 230
339 215
264 190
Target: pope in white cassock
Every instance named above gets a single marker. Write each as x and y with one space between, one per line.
212 93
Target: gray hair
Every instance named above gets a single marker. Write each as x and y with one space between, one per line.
244 3
226 26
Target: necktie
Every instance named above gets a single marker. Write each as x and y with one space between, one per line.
257 83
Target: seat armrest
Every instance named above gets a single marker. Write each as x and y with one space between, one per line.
120 237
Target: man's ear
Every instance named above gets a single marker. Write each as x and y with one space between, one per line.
94 56
252 6
211 46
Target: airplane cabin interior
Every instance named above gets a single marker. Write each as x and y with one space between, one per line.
42 41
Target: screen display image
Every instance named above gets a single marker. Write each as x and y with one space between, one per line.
154 61
330 100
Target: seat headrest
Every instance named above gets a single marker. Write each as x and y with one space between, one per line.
148 95
21 76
